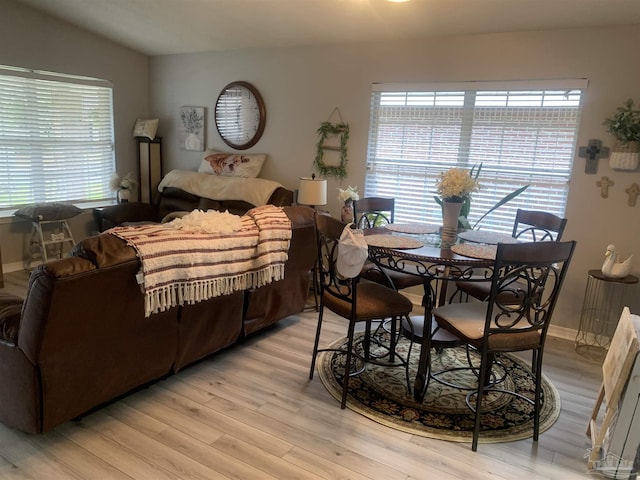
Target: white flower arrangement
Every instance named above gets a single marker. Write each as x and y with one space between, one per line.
128 182
456 184
348 194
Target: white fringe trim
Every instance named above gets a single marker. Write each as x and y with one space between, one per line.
163 298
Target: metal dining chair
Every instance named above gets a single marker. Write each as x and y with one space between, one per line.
357 302
529 226
530 275
372 212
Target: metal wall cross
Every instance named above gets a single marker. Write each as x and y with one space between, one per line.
593 152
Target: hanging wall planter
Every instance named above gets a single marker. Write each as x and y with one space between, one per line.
332 131
624 124
625 156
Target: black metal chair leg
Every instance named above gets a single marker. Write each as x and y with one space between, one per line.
347 365
480 394
315 344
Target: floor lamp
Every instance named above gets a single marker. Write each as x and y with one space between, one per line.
312 192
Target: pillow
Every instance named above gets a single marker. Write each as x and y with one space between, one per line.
48 211
231 164
146 128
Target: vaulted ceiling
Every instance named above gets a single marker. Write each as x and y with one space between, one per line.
161 27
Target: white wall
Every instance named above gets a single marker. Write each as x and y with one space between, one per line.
301 87
33 40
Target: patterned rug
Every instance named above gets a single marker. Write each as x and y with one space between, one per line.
380 393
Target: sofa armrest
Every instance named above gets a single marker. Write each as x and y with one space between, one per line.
10 313
114 215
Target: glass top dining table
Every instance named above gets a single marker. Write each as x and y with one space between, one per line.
423 255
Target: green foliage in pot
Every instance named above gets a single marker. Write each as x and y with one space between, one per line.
625 123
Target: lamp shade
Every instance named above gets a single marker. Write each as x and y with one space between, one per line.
312 191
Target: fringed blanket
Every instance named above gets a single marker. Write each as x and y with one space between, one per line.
180 267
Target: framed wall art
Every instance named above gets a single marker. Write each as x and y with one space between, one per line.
192 122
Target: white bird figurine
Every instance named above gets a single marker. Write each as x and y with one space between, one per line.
612 269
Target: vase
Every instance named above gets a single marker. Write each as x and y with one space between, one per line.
450 215
346 213
192 142
124 195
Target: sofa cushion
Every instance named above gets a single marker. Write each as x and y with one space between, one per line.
10 312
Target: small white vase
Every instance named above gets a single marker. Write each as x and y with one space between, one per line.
192 142
124 195
450 215
346 213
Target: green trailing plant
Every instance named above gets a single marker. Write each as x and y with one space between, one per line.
624 124
463 220
326 130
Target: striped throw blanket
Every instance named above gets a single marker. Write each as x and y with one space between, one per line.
180 267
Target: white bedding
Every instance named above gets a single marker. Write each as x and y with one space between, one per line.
256 191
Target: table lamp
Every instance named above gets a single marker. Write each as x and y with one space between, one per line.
312 192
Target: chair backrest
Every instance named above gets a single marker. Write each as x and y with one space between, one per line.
371 212
538 226
525 285
328 230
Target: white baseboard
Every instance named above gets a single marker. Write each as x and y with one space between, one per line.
554 330
13 267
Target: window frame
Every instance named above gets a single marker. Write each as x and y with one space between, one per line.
56 139
415 171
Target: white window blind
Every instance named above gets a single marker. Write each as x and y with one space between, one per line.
523 133
56 138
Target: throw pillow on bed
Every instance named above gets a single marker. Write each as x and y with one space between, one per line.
231 164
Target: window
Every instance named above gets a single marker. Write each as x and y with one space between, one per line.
521 132
56 138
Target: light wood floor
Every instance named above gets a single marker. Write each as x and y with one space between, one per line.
251 412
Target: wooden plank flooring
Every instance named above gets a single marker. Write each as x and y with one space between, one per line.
250 412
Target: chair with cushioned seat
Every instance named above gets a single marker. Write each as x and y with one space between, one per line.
371 212
530 276
529 226
355 301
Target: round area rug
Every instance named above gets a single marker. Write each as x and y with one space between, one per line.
380 393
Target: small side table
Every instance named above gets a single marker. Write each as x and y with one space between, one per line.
39 242
604 300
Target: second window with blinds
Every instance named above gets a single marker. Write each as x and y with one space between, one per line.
523 133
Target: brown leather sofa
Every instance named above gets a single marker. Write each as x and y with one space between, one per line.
80 338
172 199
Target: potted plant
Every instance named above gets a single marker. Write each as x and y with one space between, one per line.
624 125
123 186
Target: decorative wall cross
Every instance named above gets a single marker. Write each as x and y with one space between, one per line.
604 183
593 152
633 191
